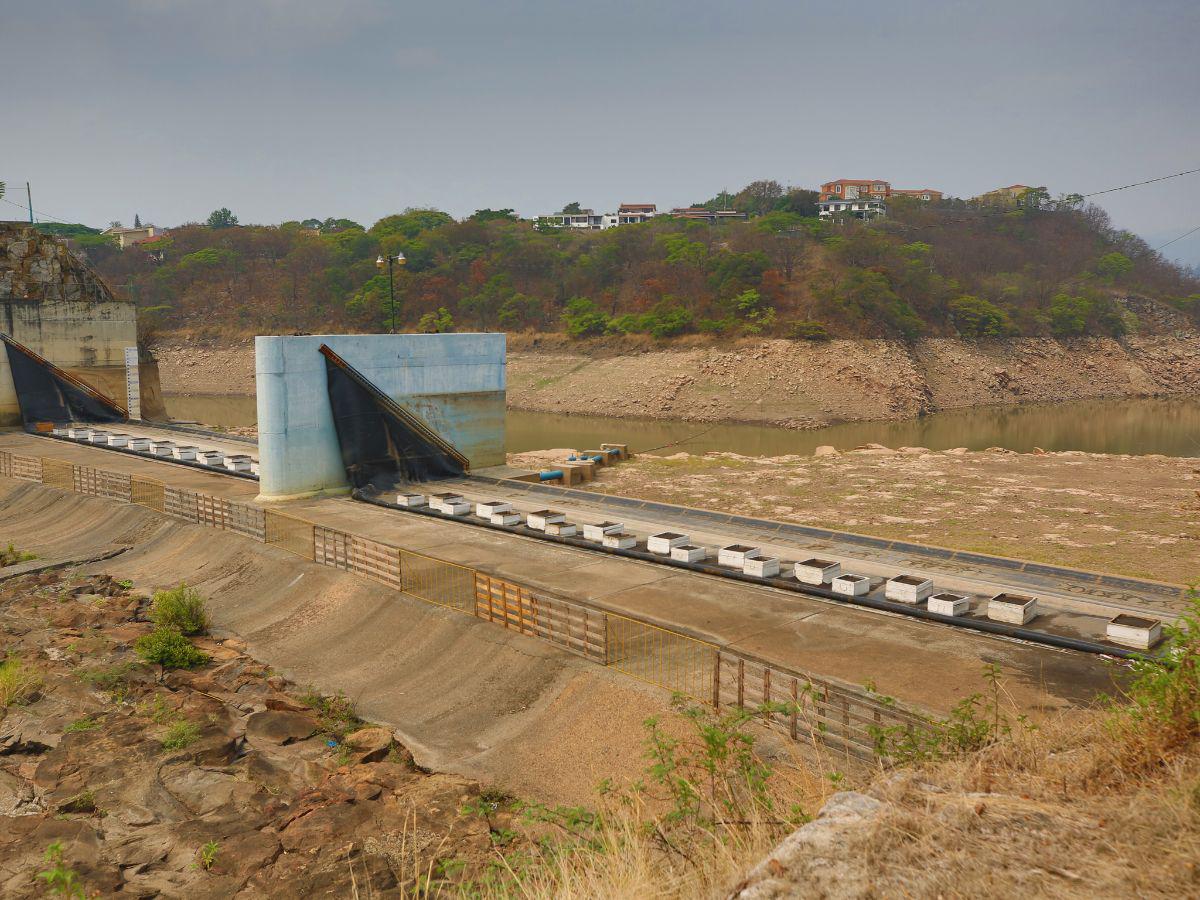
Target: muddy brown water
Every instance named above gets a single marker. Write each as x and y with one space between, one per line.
1169 427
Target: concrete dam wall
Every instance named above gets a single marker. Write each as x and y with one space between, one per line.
54 304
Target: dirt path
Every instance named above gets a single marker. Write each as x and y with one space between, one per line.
1132 515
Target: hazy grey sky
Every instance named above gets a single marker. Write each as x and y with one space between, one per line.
283 109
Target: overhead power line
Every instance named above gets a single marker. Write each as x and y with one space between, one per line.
45 216
1140 183
1180 238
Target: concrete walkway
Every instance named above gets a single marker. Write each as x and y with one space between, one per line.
918 662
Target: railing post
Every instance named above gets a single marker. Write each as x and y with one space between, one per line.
716 695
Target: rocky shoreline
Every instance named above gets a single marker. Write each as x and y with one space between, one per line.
792 384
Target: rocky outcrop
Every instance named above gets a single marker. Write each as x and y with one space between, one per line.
37 266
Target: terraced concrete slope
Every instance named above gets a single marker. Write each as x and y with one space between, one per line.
465 696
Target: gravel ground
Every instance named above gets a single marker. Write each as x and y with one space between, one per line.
1132 515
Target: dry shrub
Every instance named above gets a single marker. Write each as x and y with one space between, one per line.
18 683
708 807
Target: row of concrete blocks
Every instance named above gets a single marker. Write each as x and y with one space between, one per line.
163 449
1009 608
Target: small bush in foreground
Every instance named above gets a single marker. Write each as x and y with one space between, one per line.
182 608
169 649
11 556
1161 712
18 684
61 880
336 715
180 734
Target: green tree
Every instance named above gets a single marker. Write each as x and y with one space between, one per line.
411 222
221 218
1069 315
440 322
572 209
976 318
489 215
584 319
1113 266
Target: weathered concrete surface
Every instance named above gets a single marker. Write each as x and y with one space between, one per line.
466 696
917 662
453 381
55 305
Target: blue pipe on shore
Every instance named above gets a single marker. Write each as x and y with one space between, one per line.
550 474
597 458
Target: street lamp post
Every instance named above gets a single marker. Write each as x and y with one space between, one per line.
399 260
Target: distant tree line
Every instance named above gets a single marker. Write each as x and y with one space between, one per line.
927 269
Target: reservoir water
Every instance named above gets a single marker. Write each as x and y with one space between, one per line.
1169 427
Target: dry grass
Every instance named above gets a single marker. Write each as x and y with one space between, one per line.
18 683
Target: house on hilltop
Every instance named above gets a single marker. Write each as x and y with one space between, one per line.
1014 195
127 237
865 198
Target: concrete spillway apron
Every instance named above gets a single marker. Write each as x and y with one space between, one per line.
1000 629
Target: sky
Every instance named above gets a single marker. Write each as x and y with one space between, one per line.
289 109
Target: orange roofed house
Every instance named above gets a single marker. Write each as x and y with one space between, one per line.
865 198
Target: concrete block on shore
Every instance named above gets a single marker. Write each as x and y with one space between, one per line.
98 437
1015 609
762 566
689 553
186 453
562 529
410 500
492 507
598 531
238 462
140 444
908 588
817 571
118 440
213 458
1134 631
79 433
851 585
735 555
948 604
665 541
539 519
507 519
162 448
621 540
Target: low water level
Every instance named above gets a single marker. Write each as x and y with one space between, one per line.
1169 427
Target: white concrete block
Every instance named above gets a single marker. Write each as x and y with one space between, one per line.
491 508
817 571
762 566
79 433
238 462
562 529
1134 631
689 553
162 448
597 532
118 440
410 500
214 458
60 431
665 541
505 518
908 588
620 541
735 555
187 453
443 502
1015 609
451 508
948 604
98 437
539 519
851 585
140 444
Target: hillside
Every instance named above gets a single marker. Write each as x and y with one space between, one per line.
931 270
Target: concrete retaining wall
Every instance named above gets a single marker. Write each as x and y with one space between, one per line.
453 381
